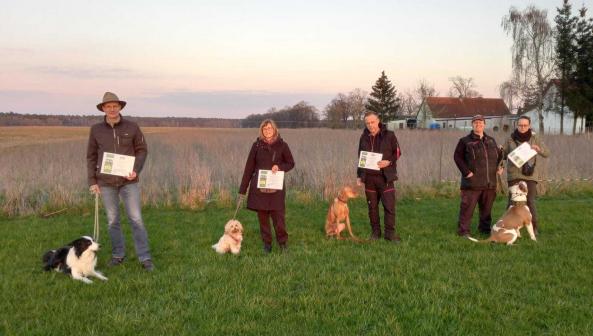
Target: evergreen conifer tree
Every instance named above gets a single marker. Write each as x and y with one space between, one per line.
383 99
565 54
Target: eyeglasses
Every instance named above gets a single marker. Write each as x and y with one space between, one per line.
522 125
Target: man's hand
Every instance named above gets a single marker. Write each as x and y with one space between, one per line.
274 169
359 182
469 175
131 176
383 163
94 189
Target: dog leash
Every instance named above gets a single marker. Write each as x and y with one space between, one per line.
238 206
96 228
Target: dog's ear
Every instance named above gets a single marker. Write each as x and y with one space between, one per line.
80 245
523 186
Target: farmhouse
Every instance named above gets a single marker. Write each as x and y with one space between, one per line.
551 112
456 113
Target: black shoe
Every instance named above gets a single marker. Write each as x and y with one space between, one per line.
148 265
267 249
283 248
115 261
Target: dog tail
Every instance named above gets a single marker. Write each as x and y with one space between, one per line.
47 259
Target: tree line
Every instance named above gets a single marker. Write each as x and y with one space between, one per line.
16 119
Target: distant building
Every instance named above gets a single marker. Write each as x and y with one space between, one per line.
457 113
552 114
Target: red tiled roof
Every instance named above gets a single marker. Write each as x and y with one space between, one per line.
447 107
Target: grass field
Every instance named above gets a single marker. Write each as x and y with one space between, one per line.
433 283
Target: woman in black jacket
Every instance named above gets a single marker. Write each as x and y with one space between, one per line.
268 152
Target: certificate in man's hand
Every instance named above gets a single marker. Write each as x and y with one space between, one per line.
268 180
117 164
369 160
521 154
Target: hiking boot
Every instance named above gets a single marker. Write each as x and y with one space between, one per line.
395 239
267 249
375 236
148 265
115 261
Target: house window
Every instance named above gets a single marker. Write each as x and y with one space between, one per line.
444 125
495 128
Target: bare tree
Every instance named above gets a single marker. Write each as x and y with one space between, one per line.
463 87
412 99
533 54
424 90
509 92
357 100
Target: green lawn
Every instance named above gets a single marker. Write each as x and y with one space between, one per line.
433 283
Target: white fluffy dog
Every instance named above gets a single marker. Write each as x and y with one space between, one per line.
231 239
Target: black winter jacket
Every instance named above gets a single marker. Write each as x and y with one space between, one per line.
388 146
479 156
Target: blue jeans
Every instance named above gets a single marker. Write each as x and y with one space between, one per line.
130 195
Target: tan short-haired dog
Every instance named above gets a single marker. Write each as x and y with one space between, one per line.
506 230
339 212
231 239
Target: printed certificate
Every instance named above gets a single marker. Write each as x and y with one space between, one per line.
117 164
369 160
521 154
266 179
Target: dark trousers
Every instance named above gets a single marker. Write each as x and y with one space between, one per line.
531 194
469 199
279 226
377 189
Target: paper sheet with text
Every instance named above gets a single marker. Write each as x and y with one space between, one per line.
521 154
267 179
117 164
369 160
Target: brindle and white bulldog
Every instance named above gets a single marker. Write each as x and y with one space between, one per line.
506 230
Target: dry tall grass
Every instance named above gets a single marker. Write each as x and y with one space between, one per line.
190 167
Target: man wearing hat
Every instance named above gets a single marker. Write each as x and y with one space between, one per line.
478 158
120 136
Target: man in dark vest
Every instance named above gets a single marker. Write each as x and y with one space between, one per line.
379 183
479 160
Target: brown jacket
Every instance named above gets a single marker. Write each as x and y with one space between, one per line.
264 156
126 138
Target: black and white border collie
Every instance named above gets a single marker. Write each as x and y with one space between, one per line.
78 259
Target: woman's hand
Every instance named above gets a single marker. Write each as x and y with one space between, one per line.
94 189
274 169
536 148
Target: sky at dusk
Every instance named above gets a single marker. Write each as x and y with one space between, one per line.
230 59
